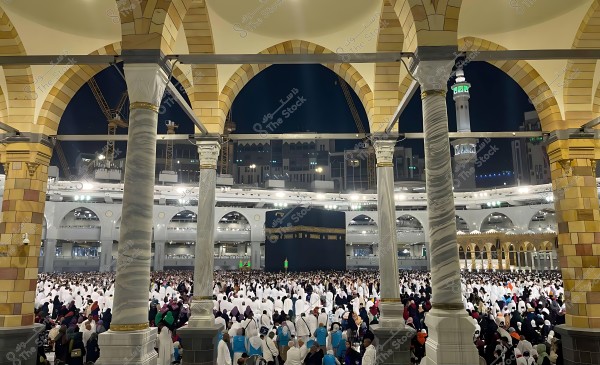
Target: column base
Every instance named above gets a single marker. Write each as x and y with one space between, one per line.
18 345
450 338
393 344
199 344
580 346
391 314
128 347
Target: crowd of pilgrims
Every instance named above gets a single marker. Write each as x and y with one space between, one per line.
306 318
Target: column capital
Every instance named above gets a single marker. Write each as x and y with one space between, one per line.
29 152
573 148
384 151
433 75
146 84
209 154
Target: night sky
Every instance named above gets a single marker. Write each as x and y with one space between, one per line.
497 104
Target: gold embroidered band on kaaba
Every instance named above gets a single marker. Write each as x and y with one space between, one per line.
305 229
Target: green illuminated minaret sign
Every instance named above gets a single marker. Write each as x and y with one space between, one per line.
465 149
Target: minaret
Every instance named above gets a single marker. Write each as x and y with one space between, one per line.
465 149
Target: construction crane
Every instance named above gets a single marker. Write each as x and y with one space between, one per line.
63 160
171 127
114 117
371 161
225 145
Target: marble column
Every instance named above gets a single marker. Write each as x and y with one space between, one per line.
450 340
255 255
49 254
391 329
106 255
519 261
159 255
201 331
129 336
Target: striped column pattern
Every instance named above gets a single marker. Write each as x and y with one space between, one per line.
445 267
202 304
578 215
26 169
451 330
146 85
388 246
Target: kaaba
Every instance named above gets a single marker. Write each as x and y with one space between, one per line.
310 239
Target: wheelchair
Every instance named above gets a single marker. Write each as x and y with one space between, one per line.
256 360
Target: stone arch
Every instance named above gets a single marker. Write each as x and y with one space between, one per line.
427 22
91 216
72 80
543 220
386 90
184 216
461 224
17 105
362 222
496 221
546 246
527 77
409 222
152 24
581 104
358 215
204 94
236 216
246 72
523 246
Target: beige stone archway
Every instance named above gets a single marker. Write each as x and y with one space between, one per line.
151 24
72 80
17 102
428 22
386 90
246 72
204 94
527 77
580 102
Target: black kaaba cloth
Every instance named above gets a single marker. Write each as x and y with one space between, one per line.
309 238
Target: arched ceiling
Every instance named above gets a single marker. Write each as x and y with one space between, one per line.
243 26
292 19
493 17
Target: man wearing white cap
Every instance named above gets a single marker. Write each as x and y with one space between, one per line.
296 354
